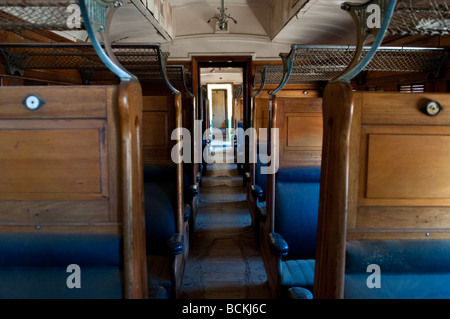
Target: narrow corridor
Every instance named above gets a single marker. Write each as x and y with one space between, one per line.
224 260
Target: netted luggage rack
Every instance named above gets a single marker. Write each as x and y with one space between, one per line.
309 64
275 74
146 62
424 17
404 17
34 15
94 16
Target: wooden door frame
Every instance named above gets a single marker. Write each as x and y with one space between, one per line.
244 62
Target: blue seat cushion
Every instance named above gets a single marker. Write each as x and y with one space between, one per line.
297 209
50 283
299 293
160 205
59 249
34 265
297 273
261 179
409 269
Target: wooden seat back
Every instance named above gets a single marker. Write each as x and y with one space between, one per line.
74 165
385 175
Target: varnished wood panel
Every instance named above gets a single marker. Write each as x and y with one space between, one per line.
77 104
157 126
41 212
403 218
408 167
50 161
303 131
154 103
399 168
403 108
59 163
156 131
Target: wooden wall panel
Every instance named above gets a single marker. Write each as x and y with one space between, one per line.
41 161
301 129
59 163
408 167
157 127
399 168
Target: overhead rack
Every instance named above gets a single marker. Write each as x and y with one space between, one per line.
94 16
38 15
405 17
312 64
420 17
146 62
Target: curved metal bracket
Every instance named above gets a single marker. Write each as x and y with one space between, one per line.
359 13
97 15
184 72
162 68
288 62
14 62
263 81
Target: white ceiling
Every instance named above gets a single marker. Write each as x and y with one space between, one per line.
265 28
258 31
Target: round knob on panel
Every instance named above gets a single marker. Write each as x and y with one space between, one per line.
33 102
433 108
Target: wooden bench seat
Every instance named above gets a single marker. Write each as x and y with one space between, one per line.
167 248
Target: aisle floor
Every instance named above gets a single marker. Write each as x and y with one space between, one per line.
224 260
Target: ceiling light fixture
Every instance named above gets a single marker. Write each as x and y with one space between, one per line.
222 17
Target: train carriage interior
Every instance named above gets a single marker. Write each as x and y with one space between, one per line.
224 149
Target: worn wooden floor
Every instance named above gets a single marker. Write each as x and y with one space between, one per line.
224 261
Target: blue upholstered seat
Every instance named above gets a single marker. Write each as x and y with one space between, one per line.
160 206
296 215
409 269
34 265
298 273
297 209
261 179
162 241
299 293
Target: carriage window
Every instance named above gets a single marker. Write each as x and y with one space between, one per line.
376 88
412 88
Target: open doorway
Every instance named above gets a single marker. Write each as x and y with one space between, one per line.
220 97
219 83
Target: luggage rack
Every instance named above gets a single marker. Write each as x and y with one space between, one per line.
424 17
35 15
146 62
94 15
274 75
405 17
308 64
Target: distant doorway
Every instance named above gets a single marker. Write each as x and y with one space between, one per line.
219 108
220 98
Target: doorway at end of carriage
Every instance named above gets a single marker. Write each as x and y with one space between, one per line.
268 156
